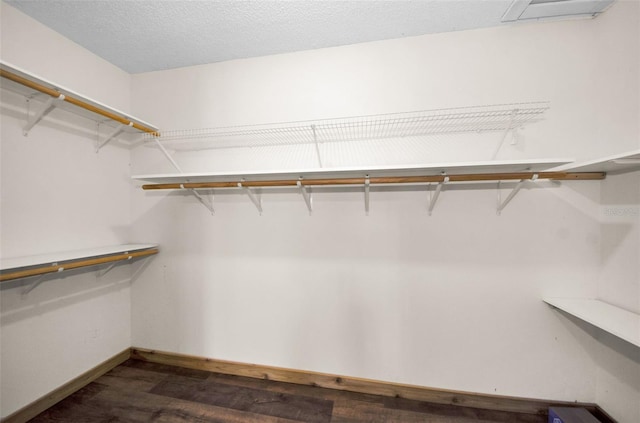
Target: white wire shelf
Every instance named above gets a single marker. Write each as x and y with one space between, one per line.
493 118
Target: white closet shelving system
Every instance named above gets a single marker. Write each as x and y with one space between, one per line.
501 119
46 96
620 322
40 265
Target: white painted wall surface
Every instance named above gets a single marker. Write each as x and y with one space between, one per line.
57 195
618 378
449 301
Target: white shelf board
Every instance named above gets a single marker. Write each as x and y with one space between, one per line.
615 320
618 163
58 257
379 171
26 91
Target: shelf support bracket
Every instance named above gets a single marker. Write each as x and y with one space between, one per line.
37 281
367 184
434 196
255 200
306 195
516 189
509 127
111 136
167 155
205 202
48 106
315 141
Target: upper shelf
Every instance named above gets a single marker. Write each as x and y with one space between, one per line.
21 267
502 117
615 320
488 167
618 163
30 85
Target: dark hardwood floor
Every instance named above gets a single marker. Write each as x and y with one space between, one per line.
137 391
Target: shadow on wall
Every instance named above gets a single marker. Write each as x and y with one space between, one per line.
614 236
618 364
602 346
28 297
604 339
14 106
340 212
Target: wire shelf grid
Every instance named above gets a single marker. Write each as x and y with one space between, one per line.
361 128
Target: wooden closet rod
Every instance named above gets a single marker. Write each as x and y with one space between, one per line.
53 268
54 93
558 176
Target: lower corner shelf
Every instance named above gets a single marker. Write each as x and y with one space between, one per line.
23 267
619 322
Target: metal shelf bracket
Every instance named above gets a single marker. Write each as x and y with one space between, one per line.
315 141
167 155
516 189
254 199
208 204
50 104
367 184
111 136
434 197
306 195
510 127
37 281
204 201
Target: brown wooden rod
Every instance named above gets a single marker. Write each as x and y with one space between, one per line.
557 176
74 264
54 93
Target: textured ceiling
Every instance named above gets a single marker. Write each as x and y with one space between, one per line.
141 36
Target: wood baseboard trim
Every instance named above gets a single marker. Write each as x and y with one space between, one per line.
38 406
366 386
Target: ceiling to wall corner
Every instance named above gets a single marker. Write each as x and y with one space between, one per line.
142 35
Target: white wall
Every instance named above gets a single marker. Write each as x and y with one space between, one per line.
57 195
449 301
618 378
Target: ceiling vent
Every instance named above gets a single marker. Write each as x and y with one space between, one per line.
523 10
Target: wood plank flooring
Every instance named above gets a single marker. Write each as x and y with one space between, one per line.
138 391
